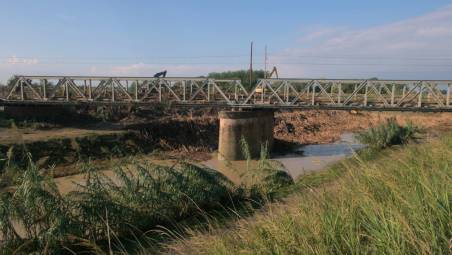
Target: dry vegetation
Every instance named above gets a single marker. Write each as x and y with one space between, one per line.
311 127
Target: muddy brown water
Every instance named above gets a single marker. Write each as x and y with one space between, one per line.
301 160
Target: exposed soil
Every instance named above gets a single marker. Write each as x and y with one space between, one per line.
181 133
188 135
313 126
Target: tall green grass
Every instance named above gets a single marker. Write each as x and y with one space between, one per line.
267 178
387 134
400 203
36 217
105 211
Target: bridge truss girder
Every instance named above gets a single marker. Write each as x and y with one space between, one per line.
352 93
78 89
267 93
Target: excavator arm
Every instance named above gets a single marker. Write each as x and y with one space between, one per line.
275 72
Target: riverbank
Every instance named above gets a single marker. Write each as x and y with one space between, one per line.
319 127
363 205
180 135
180 130
153 197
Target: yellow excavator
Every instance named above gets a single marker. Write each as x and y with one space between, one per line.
269 76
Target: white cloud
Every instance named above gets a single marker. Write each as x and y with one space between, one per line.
15 65
390 50
318 32
13 60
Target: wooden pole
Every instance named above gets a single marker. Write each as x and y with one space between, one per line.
265 63
251 64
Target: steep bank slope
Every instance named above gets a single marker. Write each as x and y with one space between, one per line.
313 126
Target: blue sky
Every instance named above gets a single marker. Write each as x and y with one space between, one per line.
334 39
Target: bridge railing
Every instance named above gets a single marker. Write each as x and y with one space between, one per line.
276 93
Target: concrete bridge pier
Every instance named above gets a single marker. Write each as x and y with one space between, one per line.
255 127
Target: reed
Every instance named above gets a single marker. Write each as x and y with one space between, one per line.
100 214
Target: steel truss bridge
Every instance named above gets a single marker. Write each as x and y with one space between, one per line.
339 94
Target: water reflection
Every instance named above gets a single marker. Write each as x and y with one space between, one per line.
316 157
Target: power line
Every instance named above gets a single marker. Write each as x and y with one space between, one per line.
363 64
361 57
231 63
126 58
274 55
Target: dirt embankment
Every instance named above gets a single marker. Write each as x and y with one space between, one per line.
313 126
188 135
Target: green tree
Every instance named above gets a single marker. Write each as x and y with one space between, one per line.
242 75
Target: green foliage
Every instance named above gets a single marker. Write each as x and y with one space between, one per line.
397 204
150 196
40 210
266 179
242 75
387 134
107 207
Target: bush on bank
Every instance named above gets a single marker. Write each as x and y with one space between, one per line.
387 134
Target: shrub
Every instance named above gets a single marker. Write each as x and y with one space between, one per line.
387 134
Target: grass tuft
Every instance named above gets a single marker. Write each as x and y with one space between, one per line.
387 134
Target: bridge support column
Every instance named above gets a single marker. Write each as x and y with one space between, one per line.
255 127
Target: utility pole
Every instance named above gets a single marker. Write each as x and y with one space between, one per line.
265 63
251 64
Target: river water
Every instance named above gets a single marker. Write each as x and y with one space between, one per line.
316 157
303 159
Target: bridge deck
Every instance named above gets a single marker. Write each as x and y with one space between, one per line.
340 94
